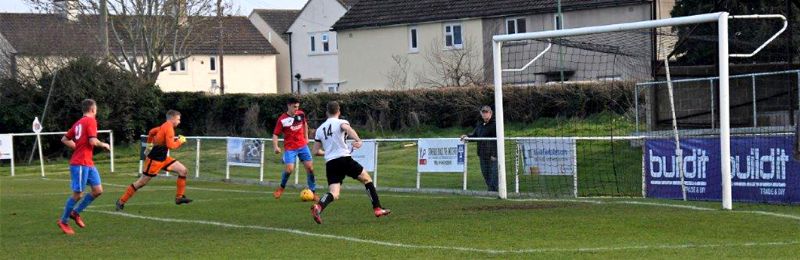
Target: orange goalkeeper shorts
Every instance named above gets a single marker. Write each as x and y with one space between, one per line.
152 167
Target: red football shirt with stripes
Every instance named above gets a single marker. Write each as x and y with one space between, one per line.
293 129
80 133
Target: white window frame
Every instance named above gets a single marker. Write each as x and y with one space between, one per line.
325 39
563 23
516 21
413 34
453 35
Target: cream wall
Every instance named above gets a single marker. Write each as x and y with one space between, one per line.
319 70
283 71
365 55
243 74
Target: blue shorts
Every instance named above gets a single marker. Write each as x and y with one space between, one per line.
304 154
83 175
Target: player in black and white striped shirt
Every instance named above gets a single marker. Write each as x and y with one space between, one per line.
331 136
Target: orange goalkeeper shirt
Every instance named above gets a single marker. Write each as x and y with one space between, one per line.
163 140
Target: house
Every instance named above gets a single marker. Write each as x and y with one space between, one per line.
399 44
38 42
273 23
314 47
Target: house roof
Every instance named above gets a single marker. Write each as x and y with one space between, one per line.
348 3
51 34
278 19
375 13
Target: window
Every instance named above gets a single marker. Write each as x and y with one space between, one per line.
558 21
313 44
325 44
515 25
212 63
178 66
452 36
412 39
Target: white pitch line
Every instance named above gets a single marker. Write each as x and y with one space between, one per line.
770 214
654 204
452 248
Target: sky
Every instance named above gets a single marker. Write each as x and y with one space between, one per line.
244 6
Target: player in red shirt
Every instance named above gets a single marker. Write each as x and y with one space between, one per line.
163 139
294 127
82 138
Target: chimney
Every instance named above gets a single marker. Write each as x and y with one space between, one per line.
67 9
177 8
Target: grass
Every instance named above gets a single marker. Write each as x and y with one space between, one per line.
243 221
232 220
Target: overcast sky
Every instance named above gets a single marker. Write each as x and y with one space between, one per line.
244 6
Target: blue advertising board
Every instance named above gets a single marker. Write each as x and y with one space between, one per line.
762 169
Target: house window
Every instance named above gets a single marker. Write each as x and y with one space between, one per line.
516 25
452 36
558 21
412 39
325 44
313 44
178 66
212 63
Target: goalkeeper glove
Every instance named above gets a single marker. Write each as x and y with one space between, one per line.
148 148
181 139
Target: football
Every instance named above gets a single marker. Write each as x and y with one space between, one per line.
306 195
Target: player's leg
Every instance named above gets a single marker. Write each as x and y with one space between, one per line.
77 184
151 170
373 194
288 160
335 174
178 167
305 156
93 180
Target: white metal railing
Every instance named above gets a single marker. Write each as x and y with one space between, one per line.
39 143
418 184
711 80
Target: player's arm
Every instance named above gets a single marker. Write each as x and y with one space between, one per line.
171 141
352 134
91 132
275 132
317 149
97 143
68 142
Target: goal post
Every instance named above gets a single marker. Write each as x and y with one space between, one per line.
721 18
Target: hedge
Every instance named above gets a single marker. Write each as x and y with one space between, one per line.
255 115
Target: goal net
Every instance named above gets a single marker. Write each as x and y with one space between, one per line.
647 109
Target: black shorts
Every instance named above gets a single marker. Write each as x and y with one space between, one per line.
340 167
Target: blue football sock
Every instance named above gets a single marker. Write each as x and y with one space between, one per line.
67 209
284 179
312 182
84 203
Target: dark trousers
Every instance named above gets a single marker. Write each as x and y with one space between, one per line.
489 171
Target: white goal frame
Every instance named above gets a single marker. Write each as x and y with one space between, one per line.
721 18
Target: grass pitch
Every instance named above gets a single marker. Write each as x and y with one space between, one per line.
243 221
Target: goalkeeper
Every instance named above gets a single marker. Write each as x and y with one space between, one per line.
162 139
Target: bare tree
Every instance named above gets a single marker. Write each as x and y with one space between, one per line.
148 36
453 67
398 75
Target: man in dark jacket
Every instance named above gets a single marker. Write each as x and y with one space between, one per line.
797 140
487 150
